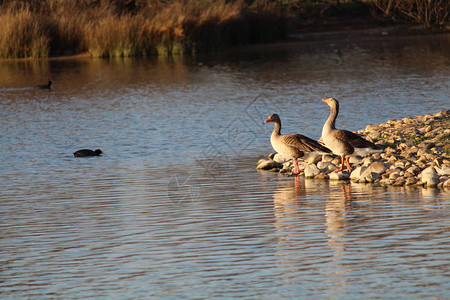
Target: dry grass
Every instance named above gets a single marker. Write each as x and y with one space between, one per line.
430 13
40 28
53 27
20 36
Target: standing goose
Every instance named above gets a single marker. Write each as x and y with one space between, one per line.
293 146
342 142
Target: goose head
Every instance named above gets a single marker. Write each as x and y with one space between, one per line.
330 101
273 118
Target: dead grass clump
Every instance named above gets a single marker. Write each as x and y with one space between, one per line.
431 13
133 28
23 34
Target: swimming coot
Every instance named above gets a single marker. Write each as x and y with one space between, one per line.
47 86
87 152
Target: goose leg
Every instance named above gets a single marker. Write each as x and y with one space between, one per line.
296 167
342 166
347 161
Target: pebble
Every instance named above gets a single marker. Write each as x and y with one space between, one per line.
311 170
429 177
268 165
339 176
313 159
356 174
416 152
326 166
322 176
278 158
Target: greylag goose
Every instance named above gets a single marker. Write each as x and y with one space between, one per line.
87 152
342 142
47 86
293 146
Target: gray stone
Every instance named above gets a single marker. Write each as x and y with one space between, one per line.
413 169
269 164
354 160
321 176
374 171
408 174
371 177
339 176
444 170
327 157
390 150
430 177
367 161
311 170
356 174
394 175
332 167
392 159
261 161
408 120
376 156
414 149
302 165
400 164
288 164
313 158
336 161
271 155
400 181
278 158
371 128
326 166
411 181
386 181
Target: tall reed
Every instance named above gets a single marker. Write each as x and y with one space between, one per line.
53 27
106 28
21 35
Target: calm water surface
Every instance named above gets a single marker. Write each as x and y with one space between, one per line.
175 209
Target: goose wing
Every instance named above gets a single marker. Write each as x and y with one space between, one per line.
304 143
355 140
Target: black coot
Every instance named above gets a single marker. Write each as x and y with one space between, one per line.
87 152
47 86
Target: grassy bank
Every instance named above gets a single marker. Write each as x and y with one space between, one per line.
133 28
34 28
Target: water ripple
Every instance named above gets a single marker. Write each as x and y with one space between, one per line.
175 208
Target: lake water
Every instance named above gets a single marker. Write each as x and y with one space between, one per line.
175 208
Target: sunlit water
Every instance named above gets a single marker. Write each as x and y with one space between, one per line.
175 207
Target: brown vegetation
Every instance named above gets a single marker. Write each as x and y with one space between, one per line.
106 28
133 28
427 12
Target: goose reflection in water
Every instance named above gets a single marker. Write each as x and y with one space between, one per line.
286 201
286 209
337 208
335 216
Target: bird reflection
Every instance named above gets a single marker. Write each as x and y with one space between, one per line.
286 208
336 210
285 199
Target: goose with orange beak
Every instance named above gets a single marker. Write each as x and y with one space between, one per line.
342 142
293 146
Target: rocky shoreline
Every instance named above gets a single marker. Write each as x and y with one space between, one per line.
416 152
